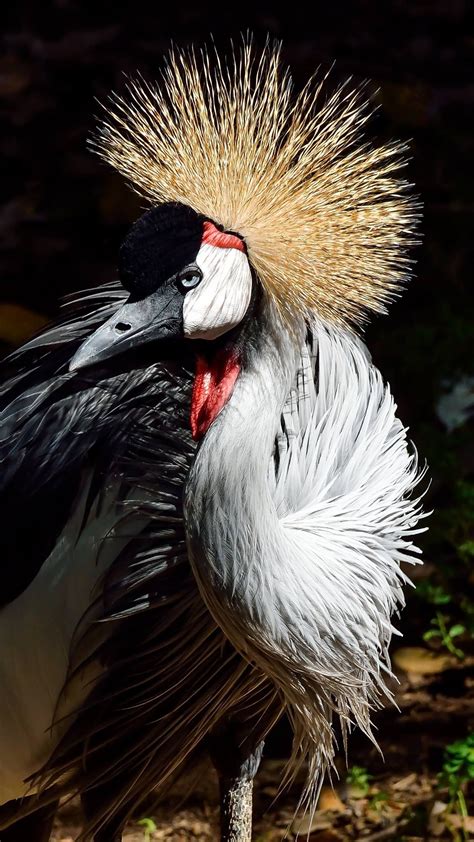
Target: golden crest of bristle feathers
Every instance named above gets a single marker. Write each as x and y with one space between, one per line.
325 216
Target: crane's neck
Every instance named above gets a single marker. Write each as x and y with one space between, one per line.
249 567
240 552
232 523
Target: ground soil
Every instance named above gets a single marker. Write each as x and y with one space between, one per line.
404 800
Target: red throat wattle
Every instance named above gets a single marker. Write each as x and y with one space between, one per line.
213 386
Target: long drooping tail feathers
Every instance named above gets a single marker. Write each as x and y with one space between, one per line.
325 215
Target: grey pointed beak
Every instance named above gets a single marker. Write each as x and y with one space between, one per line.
159 316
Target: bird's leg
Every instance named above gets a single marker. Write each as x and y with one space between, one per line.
236 759
236 809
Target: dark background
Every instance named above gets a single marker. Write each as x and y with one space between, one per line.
63 215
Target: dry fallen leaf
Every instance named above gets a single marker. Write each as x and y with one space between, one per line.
309 823
458 822
404 783
17 323
328 835
15 76
329 800
437 818
422 661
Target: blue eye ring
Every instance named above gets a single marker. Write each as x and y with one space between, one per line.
189 278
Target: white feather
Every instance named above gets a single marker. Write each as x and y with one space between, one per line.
222 298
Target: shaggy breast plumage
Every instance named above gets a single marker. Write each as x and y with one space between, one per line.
300 563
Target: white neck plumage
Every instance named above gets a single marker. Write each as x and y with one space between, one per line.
298 558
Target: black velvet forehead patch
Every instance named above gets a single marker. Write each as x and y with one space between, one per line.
161 243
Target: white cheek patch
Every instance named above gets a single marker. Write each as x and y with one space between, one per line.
222 298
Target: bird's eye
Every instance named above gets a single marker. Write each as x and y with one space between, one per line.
190 278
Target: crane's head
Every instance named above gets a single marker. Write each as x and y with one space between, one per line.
187 279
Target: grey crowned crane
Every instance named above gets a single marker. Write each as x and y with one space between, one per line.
206 492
